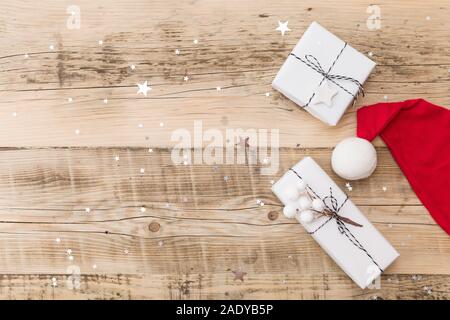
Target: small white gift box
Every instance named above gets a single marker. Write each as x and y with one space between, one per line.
361 251
323 74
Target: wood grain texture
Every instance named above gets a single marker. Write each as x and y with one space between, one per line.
178 232
220 286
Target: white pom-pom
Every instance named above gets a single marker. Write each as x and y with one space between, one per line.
306 216
354 158
318 205
304 203
292 194
301 186
289 211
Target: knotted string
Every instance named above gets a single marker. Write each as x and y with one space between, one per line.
333 206
314 64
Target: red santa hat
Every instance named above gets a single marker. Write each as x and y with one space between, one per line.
417 133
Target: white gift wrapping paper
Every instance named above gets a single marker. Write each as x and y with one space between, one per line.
299 82
354 261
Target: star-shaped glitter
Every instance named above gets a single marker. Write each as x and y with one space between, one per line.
143 88
283 27
177 51
325 94
349 186
186 78
384 188
243 142
239 275
226 178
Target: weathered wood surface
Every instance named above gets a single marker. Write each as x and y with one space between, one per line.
196 227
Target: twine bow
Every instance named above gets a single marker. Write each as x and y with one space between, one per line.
314 64
331 210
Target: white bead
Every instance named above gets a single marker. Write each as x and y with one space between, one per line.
301 186
289 211
304 202
306 216
292 194
318 205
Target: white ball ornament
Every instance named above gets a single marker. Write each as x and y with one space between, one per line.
289 211
318 205
301 186
354 158
292 194
304 203
306 216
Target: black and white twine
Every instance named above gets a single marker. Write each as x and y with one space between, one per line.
314 64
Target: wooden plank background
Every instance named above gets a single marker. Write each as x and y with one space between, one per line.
179 232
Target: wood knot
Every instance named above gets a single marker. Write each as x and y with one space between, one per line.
154 227
273 215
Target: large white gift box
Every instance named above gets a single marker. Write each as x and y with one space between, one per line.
323 74
361 251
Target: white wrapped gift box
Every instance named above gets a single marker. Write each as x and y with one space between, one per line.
301 82
362 264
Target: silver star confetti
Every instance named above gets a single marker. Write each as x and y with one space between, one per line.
143 88
349 186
